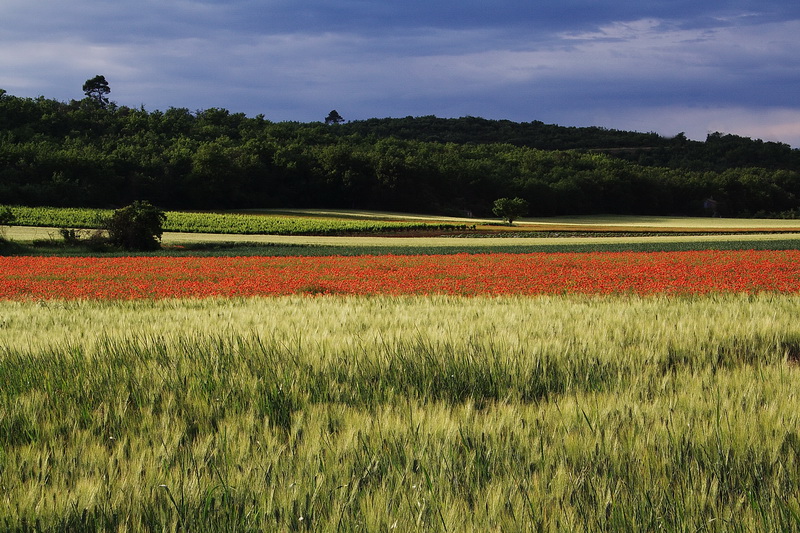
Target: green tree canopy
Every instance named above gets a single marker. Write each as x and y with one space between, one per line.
6 216
334 118
96 90
510 209
79 154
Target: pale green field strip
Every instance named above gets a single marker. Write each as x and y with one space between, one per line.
413 414
215 222
320 221
465 242
655 222
621 221
28 234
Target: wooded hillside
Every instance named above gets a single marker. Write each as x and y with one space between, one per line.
80 153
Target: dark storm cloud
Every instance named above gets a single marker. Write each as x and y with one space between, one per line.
664 66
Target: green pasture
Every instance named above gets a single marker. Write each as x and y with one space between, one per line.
323 222
46 241
318 232
672 222
401 414
321 245
476 242
579 221
227 222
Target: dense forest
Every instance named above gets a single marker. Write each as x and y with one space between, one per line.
93 153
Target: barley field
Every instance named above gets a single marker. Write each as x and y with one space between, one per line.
409 413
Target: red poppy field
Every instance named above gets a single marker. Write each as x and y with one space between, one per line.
27 278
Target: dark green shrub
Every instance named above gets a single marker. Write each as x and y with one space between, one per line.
137 227
6 216
92 239
510 209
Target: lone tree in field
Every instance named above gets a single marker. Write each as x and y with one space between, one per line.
96 90
510 209
137 227
334 118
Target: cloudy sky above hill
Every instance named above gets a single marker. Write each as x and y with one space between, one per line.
647 65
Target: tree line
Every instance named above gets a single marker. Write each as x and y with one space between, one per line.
93 153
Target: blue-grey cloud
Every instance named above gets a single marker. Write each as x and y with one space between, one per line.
643 64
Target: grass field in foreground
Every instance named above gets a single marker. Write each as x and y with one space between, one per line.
401 414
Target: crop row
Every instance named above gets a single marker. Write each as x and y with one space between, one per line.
234 223
556 413
461 274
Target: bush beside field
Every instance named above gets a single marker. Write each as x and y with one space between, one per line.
406 414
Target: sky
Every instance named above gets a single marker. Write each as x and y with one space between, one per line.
664 66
